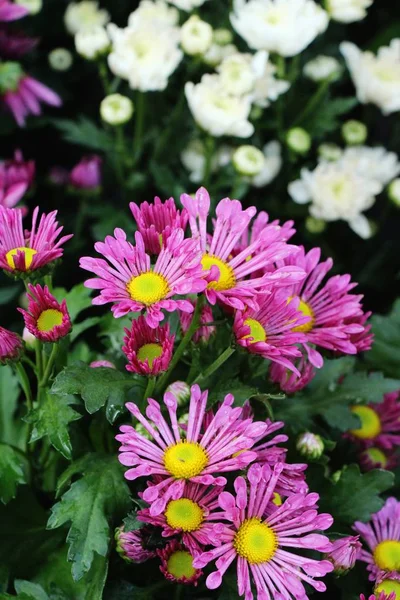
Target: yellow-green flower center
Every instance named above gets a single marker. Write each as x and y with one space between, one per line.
307 312
277 499
148 288
226 279
184 514
149 352
28 252
389 586
255 541
370 422
180 564
387 555
257 331
377 456
185 460
49 319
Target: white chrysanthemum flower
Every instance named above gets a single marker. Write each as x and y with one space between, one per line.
348 11
92 42
217 53
376 77
285 27
372 163
337 192
187 5
394 191
271 167
194 161
248 160
196 36
84 14
116 109
144 54
32 6
156 12
222 36
322 67
216 111
60 59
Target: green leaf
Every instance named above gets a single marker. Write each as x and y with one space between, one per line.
124 590
92 505
78 299
51 418
12 472
7 293
240 391
98 387
325 118
385 352
33 590
80 328
12 430
84 132
131 522
112 330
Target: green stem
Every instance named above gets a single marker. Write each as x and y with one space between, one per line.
215 365
194 325
208 155
103 72
26 386
29 362
151 384
43 382
39 359
48 280
120 156
312 103
139 125
280 66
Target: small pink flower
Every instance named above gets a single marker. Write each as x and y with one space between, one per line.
344 553
96 364
14 44
228 275
11 346
131 545
387 586
364 339
380 423
16 177
131 283
11 12
204 332
260 536
22 251
45 318
288 381
156 221
177 564
148 350
86 175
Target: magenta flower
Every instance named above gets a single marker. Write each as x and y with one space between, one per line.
156 221
14 44
376 458
11 346
16 177
289 382
335 313
227 276
177 564
259 538
131 283
254 231
387 586
193 454
270 330
11 12
363 340
344 553
380 423
96 364
22 251
204 332
380 596
45 318
190 516
131 545
86 175
148 350
382 538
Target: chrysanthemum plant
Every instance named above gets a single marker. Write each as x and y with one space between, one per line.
212 435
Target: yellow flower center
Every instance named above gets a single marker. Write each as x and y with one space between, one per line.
277 499
257 331
387 555
149 352
226 279
370 422
377 456
255 541
184 514
148 288
28 252
49 319
180 564
185 460
389 586
307 312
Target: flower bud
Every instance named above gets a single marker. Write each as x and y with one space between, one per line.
60 59
354 132
116 109
248 160
322 68
330 152
196 36
298 140
11 346
92 42
32 6
95 364
29 339
310 445
181 391
222 36
314 225
394 191
344 553
130 545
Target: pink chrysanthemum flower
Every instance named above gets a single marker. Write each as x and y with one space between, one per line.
156 221
227 276
131 283
269 330
16 176
11 346
344 553
190 516
388 585
364 339
96 364
193 454
380 423
382 537
148 350
288 381
177 564
204 332
22 252
379 596
11 12
86 175
46 319
257 537
24 94
255 228
14 44
376 458
130 545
